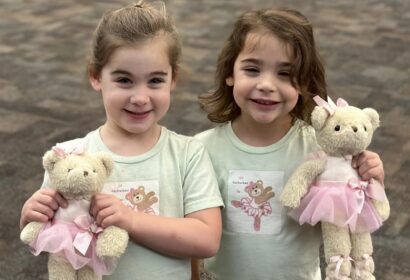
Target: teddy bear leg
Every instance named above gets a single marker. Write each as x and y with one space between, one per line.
112 242
336 241
87 273
362 250
58 268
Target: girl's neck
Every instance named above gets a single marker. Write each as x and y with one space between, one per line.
124 143
258 134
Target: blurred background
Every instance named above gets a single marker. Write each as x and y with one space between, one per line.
45 97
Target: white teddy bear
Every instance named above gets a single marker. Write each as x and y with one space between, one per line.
78 248
325 188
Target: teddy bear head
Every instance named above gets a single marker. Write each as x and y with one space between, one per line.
77 175
342 129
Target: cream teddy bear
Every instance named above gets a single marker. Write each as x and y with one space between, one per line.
325 188
78 248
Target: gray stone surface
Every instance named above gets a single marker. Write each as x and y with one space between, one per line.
44 96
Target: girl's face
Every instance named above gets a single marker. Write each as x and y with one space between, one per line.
261 82
136 84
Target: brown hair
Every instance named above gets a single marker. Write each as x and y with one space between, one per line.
307 72
129 25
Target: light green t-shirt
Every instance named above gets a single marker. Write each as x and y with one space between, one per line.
259 241
179 172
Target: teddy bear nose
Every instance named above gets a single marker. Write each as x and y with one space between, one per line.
354 128
85 173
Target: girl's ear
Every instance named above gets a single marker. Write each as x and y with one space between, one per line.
94 80
229 81
174 80
173 84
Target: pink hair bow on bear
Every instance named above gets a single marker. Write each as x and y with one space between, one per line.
61 152
330 106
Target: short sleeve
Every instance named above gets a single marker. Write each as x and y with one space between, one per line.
200 186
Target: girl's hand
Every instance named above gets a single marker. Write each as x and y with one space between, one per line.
369 165
41 206
108 210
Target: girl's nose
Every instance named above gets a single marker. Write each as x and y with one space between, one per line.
139 98
266 84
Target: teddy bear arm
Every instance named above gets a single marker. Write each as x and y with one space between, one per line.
112 242
382 208
30 232
299 182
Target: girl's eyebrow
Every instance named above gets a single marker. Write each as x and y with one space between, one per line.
251 60
120 72
259 62
154 73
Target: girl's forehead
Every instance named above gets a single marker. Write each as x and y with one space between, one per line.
266 40
146 52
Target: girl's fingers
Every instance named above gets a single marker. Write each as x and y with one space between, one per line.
39 217
43 209
103 215
98 203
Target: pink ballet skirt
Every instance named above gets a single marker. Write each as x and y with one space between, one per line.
345 204
254 210
74 240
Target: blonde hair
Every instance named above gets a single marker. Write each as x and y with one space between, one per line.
129 25
307 71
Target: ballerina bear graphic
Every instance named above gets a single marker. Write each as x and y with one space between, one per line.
256 203
141 201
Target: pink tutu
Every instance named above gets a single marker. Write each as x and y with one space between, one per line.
343 204
253 210
59 237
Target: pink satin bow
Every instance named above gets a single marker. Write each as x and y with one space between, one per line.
365 189
339 260
330 106
61 152
88 230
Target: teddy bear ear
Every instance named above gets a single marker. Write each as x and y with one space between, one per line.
107 161
319 117
50 158
374 117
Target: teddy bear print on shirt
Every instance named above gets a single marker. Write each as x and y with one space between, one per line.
256 203
141 201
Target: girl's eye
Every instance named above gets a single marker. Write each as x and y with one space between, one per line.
156 81
123 80
284 73
252 70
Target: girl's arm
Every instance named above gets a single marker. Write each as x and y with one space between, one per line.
196 235
41 206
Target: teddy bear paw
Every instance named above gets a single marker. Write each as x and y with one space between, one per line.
112 242
30 232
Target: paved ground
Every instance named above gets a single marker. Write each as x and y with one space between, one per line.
44 96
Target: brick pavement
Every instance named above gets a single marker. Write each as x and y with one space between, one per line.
44 97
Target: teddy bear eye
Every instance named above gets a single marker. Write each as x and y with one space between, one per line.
94 171
69 169
337 127
365 128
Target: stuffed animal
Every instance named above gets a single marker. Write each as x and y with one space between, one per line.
79 249
325 188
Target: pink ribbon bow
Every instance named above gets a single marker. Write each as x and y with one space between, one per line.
339 260
330 106
88 230
61 152
365 189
